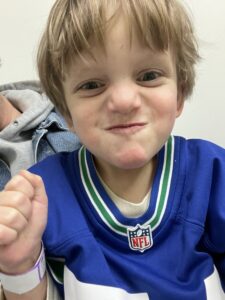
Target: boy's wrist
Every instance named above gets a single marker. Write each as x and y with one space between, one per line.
24 265
21 283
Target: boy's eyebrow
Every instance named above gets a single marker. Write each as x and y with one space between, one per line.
82 65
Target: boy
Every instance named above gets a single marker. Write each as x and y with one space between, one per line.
135 213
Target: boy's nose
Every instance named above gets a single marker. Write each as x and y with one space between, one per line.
123 99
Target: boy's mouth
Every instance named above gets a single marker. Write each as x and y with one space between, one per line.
126 128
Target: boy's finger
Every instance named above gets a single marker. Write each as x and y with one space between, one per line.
37 184
12 218
38 219
7 235
20 184
16 200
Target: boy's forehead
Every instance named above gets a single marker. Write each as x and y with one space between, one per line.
99 60
121 36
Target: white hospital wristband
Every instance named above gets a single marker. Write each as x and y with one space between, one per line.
23 283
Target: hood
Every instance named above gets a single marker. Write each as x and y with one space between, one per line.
31 101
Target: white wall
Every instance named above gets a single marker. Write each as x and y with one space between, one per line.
21 24
204 113
22 21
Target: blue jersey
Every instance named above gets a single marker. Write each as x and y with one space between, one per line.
175 250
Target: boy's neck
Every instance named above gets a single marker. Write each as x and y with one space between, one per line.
131 185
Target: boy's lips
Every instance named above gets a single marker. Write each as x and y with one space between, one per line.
126 128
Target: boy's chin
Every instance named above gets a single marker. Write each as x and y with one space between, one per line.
132 160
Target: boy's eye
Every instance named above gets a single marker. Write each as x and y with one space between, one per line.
91 85
149 76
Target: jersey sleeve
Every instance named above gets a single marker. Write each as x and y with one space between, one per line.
214 237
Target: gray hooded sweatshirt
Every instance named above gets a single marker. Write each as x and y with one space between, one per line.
16 139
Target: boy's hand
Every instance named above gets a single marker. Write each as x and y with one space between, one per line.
23 217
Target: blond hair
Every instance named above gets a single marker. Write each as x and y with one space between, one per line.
72 23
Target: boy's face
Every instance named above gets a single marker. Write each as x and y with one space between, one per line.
124 101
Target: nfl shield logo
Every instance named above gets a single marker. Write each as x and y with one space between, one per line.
140 238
